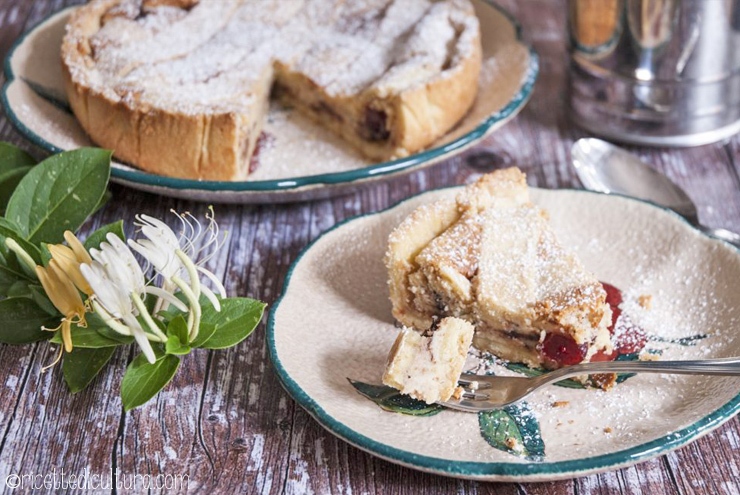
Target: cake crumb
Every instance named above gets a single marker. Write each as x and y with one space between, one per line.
604 381
457 393
560 403
514 444
608 429
645 300
648 356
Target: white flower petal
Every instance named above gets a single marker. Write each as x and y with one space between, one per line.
106 291
156 291
141 338
219 286
211 297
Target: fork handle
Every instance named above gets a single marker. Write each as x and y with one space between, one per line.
722 366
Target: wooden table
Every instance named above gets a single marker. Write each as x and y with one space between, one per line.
226 422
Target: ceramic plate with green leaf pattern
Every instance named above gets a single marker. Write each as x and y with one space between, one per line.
331 331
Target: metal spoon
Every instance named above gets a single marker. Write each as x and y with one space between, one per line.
606 168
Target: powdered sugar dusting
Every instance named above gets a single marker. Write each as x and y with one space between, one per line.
213 57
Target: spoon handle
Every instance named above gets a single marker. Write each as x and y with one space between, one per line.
722 234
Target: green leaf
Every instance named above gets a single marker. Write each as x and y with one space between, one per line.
178 328
95 335
237 319
177 337
8 229
82 365
94 239
8 278
59 194
107 195
22 320
513 429
20 289
14 165
12 157
111 334
45 254
390 399
205 332
87 338
42 300
9 181
174 346
143 380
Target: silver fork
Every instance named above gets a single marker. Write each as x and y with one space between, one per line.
487 392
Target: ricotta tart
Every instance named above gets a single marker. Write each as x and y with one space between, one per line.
182 87
489 257
427 365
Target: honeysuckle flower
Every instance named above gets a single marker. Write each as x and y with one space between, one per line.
172 257
119 288
66 298
69 259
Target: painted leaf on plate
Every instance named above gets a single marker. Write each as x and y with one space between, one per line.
513 429
690 340
390 399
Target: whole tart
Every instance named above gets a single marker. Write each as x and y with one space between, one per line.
490 257
181 87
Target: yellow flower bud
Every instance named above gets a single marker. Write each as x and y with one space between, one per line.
64 296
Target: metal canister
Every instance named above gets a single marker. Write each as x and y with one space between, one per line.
656 72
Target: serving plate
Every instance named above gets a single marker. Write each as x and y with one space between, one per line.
299 161
331 330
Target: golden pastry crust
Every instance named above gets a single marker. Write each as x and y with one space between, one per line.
411 99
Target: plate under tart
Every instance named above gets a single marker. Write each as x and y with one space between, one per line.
301 161
333 322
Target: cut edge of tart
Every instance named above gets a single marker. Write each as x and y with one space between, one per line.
427 365
490 257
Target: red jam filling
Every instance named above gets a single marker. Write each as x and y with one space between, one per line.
562 350
263 141
627 338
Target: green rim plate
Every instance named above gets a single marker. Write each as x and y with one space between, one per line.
303 187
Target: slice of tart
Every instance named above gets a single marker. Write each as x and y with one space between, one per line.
490 257
427 365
